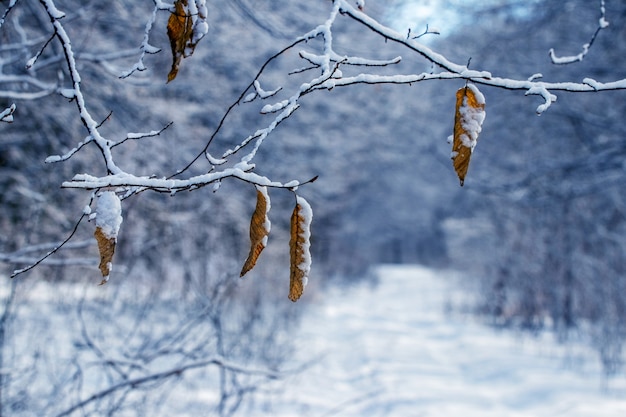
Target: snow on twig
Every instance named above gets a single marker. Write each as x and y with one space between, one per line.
317 60
481 77
391 34
9 7
602 24
329 62
87 119
89 182
145 47
6 115
136 136
262 93
547 96
287 107
31 62
60 158
243 97
327 65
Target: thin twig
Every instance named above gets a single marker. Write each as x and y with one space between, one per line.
136 136
159 376
233 105
52 252
6 12
34 59
602 23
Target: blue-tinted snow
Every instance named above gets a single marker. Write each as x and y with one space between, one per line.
392 350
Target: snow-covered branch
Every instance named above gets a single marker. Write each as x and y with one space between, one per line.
531 86
327 69
240 171
329 63
92 126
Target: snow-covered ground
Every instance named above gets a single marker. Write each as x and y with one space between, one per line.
392 350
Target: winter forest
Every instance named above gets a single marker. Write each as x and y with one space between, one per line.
220 167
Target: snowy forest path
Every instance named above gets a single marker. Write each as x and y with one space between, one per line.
394 349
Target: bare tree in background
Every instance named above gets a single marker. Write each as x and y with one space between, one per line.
209 348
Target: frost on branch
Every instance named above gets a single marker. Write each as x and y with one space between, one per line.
468 120
260 226
299 244
108 222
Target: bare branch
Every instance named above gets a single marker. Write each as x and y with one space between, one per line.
426 31
174 372
55 249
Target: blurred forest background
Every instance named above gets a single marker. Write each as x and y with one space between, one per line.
539 226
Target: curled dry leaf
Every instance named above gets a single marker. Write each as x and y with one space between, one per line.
180 33
108 221
468 120
299 244
106 247
260 226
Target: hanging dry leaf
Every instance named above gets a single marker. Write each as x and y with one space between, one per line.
299 244
260 226
108 221
180 31
106 247
468 120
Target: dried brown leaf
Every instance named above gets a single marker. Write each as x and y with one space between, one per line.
259 229
179 31
468 119
299 244
106 247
